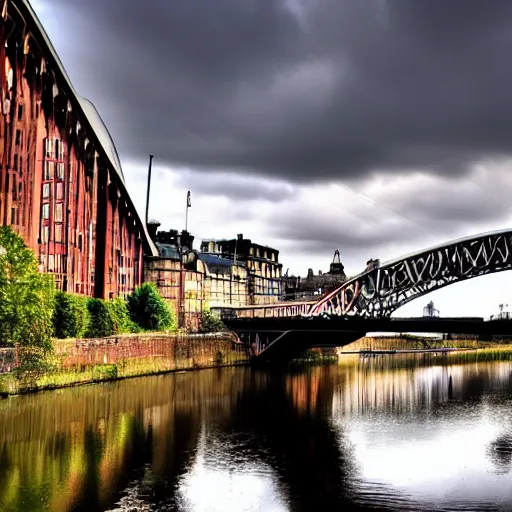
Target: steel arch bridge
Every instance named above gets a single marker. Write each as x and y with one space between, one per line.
378 292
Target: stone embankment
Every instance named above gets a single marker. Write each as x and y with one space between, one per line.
81 361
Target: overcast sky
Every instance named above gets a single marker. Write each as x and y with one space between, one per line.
374 127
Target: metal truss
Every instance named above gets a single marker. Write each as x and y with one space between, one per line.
378 291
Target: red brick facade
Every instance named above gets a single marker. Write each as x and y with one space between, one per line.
61 185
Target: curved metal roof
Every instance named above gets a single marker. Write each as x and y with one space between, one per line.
92 117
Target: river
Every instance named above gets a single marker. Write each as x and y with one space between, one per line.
390 433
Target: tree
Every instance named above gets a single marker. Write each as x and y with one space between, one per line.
148 310
101 322
26 296
210 322
70 317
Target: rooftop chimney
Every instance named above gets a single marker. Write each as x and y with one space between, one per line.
152 229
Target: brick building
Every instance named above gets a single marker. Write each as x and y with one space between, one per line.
191 281
61 183
264 272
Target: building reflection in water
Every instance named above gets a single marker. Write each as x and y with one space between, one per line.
410 432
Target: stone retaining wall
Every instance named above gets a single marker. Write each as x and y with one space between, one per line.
168 352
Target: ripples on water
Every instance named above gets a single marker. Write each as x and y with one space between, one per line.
397 433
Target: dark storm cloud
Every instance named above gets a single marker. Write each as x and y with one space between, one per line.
236 187
342 89
312 234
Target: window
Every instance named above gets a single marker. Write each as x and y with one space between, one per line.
46 190
13 216
21 165
51 262
46 211
48 170
18 138
57 147
15 162
60 170
58 212
20 112
49 148
45 235
58 232
59 191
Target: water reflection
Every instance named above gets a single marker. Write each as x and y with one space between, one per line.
392 433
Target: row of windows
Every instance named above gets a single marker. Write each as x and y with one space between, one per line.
57 233
214 247
57 213
54 262
51 169
262 254
54 148
59 191
264 269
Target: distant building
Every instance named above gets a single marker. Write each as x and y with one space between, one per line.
430 311
191 281
504 313
264 271
316 284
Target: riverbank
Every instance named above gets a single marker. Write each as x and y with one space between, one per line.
86 361
411 342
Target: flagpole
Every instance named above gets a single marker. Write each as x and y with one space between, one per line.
186 211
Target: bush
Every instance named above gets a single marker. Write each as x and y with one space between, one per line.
148 310
122 323
104 372
70 317
26 296
101 322
210 322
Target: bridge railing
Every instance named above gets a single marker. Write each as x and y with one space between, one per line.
277 310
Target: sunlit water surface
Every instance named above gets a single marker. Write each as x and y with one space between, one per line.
392 433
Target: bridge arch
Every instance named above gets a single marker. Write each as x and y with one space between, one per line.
378 292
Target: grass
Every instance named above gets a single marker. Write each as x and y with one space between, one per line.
18 382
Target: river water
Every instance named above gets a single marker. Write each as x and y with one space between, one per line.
390 433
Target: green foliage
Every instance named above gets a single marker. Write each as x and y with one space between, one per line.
148 310
210 322
70 317
121 320
101 323
104 372
26 296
